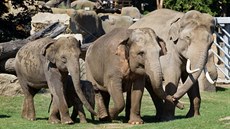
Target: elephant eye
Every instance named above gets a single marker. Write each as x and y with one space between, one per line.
63 59
141 53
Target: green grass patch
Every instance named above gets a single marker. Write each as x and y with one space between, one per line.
215 114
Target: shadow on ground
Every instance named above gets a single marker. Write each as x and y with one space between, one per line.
4 116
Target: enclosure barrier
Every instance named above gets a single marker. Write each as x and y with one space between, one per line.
223 36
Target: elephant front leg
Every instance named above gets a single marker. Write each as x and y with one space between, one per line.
116 93
136 97
60 102
54 117
195 100
102 110
81 114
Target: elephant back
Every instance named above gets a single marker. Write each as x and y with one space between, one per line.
110 41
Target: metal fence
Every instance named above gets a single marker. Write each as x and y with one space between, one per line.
222 42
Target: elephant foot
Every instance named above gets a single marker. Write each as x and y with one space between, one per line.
192 114
83 121
135 120
66 121
166 118
105 119
30 118
54 120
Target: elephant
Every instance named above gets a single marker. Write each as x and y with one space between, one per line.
73 100
45 63
119 61
188 37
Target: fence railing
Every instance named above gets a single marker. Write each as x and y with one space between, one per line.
223 36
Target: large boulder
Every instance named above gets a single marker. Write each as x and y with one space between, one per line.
86 23
133 12
9 85
41 20
83 4
111 21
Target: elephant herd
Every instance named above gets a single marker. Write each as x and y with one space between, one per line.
163 46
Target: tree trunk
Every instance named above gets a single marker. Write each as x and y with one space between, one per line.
159 4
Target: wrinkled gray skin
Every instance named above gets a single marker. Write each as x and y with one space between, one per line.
119 61
187 36
73 100
47 62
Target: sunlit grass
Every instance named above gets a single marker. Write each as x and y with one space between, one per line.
214 106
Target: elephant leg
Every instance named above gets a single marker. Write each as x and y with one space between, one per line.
74 114
128 105
195 100
102 111
171 84
54 117
116 93
194 97
58 95
81 114
28 109
136 97
158 102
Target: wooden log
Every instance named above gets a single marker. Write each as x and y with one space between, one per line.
9 49
7 66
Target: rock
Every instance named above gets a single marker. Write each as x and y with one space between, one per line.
87 23
111 21
83 4
41 20
63 11
133 12
9 85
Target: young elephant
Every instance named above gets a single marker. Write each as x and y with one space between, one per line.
47 62
73 100
119 61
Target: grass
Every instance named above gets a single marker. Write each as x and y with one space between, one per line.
214 107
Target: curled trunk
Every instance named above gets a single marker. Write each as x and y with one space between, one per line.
192 78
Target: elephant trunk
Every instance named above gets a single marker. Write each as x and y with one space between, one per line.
155 74
192 77
74 71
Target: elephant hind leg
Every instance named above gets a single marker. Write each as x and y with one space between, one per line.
28 110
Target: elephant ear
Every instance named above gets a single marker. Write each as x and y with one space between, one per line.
174 30
48 51
162 44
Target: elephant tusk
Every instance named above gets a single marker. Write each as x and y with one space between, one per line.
208 76
188 68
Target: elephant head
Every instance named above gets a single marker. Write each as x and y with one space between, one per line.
192 35
64 54
144 46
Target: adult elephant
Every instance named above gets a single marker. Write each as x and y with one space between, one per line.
47 62
188 36
119 61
